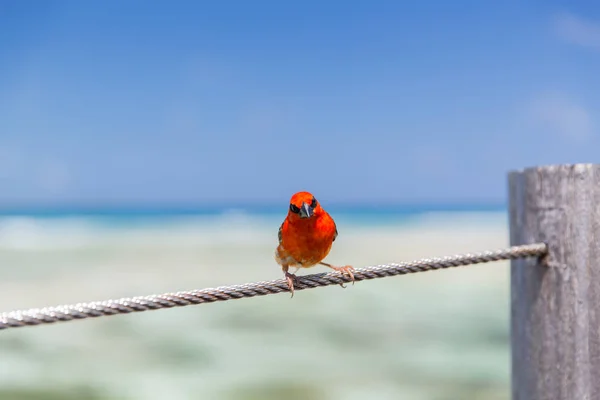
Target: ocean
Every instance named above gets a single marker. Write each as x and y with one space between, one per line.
434 335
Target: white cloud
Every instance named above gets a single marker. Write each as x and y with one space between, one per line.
579 31
561 115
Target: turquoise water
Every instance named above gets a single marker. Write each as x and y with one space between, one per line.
368 214
438 335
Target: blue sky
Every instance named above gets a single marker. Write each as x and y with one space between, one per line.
380 101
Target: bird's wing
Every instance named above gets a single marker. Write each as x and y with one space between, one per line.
279 234
335 235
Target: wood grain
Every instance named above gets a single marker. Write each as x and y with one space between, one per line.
555 303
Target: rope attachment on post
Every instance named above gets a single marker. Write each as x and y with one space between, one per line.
49 315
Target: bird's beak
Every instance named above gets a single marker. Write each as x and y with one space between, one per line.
306 211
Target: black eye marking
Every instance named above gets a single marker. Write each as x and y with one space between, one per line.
294 209
313 204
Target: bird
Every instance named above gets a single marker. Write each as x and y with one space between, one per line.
306 237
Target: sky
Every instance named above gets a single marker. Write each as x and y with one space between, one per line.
135 102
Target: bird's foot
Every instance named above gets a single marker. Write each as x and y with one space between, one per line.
291 279
345 270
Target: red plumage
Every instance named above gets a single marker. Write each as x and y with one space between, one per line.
306 236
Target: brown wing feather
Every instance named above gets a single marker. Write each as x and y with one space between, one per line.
335 235
279 235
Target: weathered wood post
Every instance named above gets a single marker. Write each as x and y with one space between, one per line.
555 303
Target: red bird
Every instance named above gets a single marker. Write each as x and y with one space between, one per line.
305 237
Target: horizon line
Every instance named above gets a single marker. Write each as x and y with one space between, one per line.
218 207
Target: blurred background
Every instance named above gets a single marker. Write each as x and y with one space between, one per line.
149 147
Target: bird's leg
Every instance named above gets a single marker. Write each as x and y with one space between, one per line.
289 277
346 270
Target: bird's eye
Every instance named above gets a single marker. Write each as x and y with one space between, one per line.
294 208
313 204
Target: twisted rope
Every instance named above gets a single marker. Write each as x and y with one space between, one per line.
49 315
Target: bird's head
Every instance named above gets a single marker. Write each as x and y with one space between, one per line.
303 205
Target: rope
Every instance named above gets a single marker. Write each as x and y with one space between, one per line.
49 315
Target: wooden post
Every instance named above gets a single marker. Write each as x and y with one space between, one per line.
555 302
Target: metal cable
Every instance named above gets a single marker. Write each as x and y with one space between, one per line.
65 313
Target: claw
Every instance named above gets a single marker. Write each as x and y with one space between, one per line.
346 270
290 278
